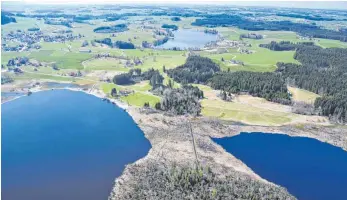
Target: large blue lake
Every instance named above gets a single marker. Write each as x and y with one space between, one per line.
63 144
308 168
185 38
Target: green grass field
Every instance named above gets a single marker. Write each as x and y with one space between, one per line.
251 112
139 98
262 60
243 113
32 76
302 95
105 64
64 60
325 43
151 59
6 56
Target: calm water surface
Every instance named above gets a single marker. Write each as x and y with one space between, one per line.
184 38
63 144
308 168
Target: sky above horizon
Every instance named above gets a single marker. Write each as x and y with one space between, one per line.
278 3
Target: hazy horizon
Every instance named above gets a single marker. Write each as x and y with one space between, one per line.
340 5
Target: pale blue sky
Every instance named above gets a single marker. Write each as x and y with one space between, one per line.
278 3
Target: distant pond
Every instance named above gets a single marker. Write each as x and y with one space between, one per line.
61 144
308 168
185 38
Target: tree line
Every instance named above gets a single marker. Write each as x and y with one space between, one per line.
303 16
284 45
251 36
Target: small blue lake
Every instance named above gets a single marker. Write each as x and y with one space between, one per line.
308 168
63 144
184 38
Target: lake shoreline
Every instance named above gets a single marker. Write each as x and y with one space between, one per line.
168 138
175 145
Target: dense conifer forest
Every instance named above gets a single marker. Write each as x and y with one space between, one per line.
197 69
322 71
266 85
190 183
180 101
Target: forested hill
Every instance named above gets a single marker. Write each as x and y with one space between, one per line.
323 71
308 30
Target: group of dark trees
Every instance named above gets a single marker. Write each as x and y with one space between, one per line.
85 43
174 182
5 78
175 19
124 45
117 44
135 75
285 45
170 26
33 29
196 69
6 18
146 44
251 36
66 23
114 17
18 61
308 30
266 85
111 29
211 31
322 71
308 17
180 101
160 41
107 41
123 79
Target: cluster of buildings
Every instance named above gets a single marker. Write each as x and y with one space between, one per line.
27 40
